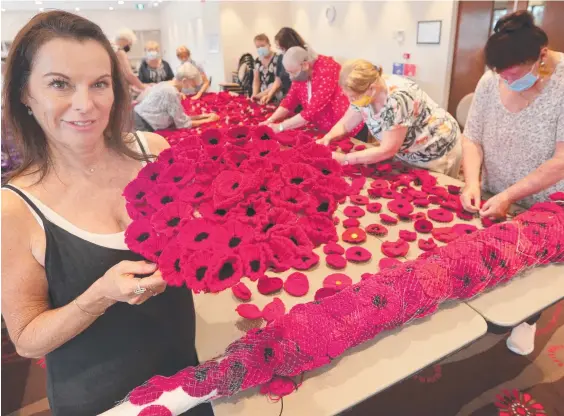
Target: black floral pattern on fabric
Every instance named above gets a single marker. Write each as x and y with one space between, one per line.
267 74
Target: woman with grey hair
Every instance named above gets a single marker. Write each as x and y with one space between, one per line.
124 39
161 108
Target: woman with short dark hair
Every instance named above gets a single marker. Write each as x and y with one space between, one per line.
513 142
70 286
285 39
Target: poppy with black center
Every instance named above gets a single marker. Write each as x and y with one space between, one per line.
234 242
326 171
323 207
379 301
265 137
226 271
235 186
143 237
263 154
154 176
221 212
250 212
292 200
255 265
166 200
201 237
173 222
177 265
140 195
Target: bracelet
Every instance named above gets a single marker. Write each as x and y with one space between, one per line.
86 312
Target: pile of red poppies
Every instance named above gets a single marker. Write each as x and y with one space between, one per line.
233 203
312 335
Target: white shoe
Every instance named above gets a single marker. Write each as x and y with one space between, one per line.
522 339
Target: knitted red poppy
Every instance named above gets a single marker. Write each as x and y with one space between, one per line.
451 205
419 216
354 235
268 285
171 264
388 263
229 188
297 284
286 138
423 226
387 219
155 410
321 203
454 190
346 146
198 234
407 235
195 193
265 149
137 190
400 207
358 254
139 211
238 136
215 153
255 258
337 281
379 184
427 245
212 137
374 207
434 199
440 215
464 229
464 215
333 248
487 222
354 212
208 211
274 310
324 292
249 311
326 167
178 174
291 198
138 234
226 272
305 259
162 195
169 219
151 171
444 235
283 251
241 291
389 194
232 159
377 230
320 229
251 211
421 202
295 234
145 394
233 234
359 199
336 261
351 222
395 248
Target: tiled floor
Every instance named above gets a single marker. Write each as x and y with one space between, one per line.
471 382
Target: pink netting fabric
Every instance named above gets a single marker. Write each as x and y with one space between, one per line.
311 335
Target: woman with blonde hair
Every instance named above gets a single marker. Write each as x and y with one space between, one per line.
154 69
402 117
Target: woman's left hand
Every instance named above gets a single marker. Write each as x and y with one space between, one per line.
265 100
497 206
196 97
339 157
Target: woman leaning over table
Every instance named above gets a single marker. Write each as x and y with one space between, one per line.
69 286
514 135
406 121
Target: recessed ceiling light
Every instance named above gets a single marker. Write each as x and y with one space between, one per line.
38 2
121 2
155 4
111 8
77 9
3 10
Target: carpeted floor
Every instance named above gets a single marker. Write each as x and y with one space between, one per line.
484 379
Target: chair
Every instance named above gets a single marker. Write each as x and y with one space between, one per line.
463 109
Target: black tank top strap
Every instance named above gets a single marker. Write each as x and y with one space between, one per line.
143 150
27 201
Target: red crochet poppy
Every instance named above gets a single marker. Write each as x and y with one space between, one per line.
155 410
251 211
385 299
324 292
238 136
249 311
379 184
291 198
199 234
275 217
351 222
423 226
395 248
269 182
312 150
151 171
226 272
297 284
255 258
427 245
321 203
195 193
304 259
171 264
464 229
354 235
169 219
399 207
295 234
487 222
215 153
298 174
451 205
212 137
286 138
145 394
137 190
408 235
336 261
138 235
326 167
374 207
346 146
274 310
283 251
263 133
444 235
229 188
421 202
440 215
232 235
162 195
454 190
358 254
357 185
178 174
255 165
337 281
138 211
197 268
333 248
232 159
384 168
354 212
377 230
387 219
265 149
359 199
269 285
434 199
464 215
215 215
241 291
333 185
388 263
359 147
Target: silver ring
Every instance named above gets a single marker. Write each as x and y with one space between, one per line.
139 290
152 293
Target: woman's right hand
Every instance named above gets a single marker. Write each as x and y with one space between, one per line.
118 284
325 140
213 117
471 197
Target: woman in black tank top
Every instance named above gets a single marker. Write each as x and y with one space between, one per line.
69 293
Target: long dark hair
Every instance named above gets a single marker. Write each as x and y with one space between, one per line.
287 38
516 40
29 138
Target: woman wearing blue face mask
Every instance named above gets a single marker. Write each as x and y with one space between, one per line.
153 69
266 83
514 135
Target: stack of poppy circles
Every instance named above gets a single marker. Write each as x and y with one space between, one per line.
233 204
311 335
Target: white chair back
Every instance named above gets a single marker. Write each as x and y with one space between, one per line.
463 109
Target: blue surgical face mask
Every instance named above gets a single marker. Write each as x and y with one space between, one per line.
523 83
263 51
189 91
152 54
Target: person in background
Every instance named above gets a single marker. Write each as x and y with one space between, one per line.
184 56
266 83
160 107
315 85
154 69
514 135
402 117
285 39
123 42
70 290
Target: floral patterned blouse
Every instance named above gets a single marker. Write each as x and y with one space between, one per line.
431 131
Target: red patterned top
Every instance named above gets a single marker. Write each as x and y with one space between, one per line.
328 103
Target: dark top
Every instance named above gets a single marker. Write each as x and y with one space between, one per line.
123 348
148 75
284 77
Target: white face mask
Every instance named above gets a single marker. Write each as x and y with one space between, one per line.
152 54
